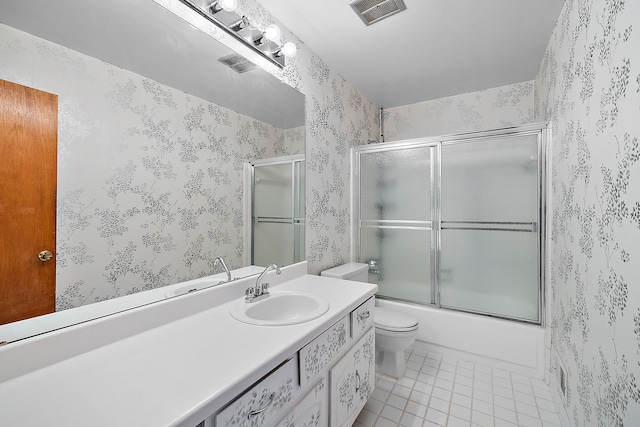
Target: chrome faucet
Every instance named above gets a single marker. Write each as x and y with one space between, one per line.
261 290
217 262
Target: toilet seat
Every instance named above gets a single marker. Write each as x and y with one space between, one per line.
394 321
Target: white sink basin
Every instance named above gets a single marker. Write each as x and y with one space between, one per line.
281 308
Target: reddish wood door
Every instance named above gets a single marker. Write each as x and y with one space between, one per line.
28 173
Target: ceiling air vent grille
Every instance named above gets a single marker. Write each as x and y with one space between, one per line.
237 63
371 11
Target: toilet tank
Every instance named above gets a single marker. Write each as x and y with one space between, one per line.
350 271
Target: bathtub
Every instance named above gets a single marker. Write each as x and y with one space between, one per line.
512 346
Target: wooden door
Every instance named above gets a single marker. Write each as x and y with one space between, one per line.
28 173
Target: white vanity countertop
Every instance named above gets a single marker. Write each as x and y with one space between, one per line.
174 374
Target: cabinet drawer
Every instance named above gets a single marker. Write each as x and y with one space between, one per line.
312 410
324 350
265 402
362 318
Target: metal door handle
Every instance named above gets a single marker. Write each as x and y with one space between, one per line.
264 408
45 256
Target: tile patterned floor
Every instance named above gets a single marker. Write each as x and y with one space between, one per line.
440 391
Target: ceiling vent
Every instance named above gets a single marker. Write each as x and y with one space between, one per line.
237 63
372 11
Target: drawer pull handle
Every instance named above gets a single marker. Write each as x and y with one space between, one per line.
264 408
364 315
357 381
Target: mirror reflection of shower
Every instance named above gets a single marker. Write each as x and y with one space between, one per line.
275 210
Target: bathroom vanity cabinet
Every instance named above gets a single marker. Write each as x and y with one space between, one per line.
197 365
326 383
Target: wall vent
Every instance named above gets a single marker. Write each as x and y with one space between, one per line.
372 11
561 378
237 63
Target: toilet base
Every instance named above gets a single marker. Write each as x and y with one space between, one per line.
391 363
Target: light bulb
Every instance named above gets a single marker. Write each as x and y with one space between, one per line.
229 5
289 50
272 33
251 22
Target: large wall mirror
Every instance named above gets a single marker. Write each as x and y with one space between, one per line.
154 137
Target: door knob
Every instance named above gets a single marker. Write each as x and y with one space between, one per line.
45 256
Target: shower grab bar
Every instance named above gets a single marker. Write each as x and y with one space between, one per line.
390 223
277 220
396 227
488 229
529 227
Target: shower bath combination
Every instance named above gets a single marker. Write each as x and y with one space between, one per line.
455 222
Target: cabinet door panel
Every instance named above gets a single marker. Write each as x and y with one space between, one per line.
352 381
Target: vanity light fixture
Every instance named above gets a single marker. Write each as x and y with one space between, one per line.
273 33
218 5
267 43
239 24
288 49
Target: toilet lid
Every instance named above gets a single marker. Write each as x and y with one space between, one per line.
393 320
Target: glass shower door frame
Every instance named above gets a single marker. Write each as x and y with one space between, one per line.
541 130
431 226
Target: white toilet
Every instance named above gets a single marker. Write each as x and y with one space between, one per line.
395 331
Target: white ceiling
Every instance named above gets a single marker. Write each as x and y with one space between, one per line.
433 49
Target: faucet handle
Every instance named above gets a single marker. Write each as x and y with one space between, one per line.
249 294
265 289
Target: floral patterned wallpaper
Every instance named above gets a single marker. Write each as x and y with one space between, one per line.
150 179
338 117
135 211
588 87
485 109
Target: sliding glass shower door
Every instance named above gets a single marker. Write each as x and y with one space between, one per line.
489 229
455 222
396 221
